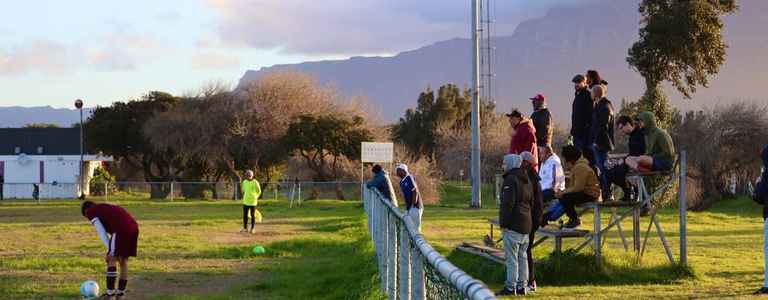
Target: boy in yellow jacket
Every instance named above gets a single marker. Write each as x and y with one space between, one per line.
251 193
583 186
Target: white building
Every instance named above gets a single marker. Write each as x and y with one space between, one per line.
44 158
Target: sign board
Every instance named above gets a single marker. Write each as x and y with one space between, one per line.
377 152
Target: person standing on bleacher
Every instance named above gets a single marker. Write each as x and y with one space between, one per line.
582 187
601 136
516 224
659 148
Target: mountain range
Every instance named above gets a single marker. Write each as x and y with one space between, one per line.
541 56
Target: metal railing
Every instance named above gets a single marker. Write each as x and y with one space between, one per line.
408 265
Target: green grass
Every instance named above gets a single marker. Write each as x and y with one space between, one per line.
191 250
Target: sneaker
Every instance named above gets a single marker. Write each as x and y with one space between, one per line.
243 230
253 231
761 291
521 292
532 287
573 224
506 292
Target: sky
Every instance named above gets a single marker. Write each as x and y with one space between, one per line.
53 52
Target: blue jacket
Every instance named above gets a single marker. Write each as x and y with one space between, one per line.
410 192
379 181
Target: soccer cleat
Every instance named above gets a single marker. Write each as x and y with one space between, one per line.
521 292
120 295
244 230
253 231
506 292
761 291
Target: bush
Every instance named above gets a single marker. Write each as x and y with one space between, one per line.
101 179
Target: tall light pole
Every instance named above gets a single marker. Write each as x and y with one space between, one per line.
476 177
79 106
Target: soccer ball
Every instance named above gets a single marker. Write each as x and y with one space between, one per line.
89 289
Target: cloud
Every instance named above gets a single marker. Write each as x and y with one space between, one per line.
40 55
121 50
333 27
215 61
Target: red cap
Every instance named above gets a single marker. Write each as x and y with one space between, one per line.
539 97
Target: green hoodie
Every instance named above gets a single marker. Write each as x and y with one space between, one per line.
658 143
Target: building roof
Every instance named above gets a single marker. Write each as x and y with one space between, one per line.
40 141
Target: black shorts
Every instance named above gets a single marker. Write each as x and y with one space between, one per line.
660 164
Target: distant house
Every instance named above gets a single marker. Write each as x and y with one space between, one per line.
43 160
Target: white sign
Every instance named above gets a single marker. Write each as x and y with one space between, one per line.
377 152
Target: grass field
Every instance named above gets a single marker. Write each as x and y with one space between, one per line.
192 250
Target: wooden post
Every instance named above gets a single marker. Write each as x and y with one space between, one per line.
683 209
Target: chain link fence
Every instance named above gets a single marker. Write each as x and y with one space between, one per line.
294 191
408 265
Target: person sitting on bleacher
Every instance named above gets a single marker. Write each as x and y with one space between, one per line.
618 174
516 223
659 149
582 187
551 173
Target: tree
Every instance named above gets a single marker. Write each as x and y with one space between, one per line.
40 125
117 130
680 42
418 130
326 139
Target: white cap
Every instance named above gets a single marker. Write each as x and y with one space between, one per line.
403 167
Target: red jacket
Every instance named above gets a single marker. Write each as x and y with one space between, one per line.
525 140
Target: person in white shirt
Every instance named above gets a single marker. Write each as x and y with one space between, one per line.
551 173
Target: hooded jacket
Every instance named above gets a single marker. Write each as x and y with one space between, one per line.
581 114
380 182
658 143
537 206
516 202
525 140
602 125
583 179
542 121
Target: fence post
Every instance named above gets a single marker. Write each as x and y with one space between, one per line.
392 255
405 263
499 183
171 190
417 275
106 192
683 210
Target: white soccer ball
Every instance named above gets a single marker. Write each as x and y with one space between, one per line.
89 289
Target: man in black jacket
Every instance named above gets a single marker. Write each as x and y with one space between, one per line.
537 212
618 175
542 121
602 136
581 113
516 223
761 189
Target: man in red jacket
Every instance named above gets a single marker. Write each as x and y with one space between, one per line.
119 232
524 137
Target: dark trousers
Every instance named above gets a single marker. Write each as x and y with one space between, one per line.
246 210
570 200
618 176
531 239
600 158
548 195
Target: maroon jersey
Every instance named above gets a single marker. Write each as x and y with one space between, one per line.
113 217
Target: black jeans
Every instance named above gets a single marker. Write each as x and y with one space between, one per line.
548 195
618 176
246 210
570 200
531 239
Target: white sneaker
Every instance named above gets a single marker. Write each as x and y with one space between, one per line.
253 230
243 230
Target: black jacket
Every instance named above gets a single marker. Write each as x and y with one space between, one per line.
516 202
581 114
542 120
602 125
537 207
636 142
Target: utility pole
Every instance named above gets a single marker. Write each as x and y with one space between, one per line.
476 177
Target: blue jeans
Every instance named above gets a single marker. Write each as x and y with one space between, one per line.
600 158
515 248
